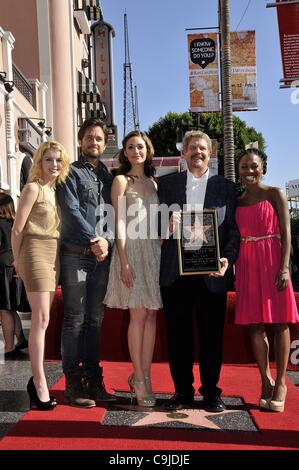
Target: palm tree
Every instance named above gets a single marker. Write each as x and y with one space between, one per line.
226 91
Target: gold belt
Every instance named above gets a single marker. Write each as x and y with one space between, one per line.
255 239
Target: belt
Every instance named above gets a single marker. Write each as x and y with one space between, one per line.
263 237
70 248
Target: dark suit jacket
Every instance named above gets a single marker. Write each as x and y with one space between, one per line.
220 195
25 168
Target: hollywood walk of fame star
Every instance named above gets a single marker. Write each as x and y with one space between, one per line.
196 232
194 417
197 418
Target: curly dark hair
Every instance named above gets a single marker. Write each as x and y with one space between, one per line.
258 153
125 165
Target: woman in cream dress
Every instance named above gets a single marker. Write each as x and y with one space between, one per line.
134 271
35 243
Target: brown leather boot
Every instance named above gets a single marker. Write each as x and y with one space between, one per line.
96 387
75 393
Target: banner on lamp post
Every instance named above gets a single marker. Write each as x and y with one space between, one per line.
213 162
243 66
203 72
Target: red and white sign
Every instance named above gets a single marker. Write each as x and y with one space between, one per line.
288 23
102 33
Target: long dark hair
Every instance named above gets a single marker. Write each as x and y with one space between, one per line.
125 165
7 207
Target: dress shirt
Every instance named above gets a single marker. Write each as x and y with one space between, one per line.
196 190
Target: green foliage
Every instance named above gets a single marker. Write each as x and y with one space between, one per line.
166 132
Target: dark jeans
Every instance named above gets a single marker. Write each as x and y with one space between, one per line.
83 283
186 297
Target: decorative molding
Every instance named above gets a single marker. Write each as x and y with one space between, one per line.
9 37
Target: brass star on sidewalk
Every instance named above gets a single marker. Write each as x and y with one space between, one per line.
189 416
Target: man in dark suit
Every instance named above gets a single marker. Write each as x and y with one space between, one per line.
25 168
202 295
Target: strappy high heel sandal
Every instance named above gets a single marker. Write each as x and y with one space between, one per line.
149 389
141 401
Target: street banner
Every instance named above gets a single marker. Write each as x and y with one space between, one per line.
213 162
203 72
243 67
288 24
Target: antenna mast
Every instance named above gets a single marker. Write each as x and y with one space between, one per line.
131 119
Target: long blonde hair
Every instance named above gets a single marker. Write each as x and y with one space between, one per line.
35 173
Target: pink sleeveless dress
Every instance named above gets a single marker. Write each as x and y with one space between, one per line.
257 299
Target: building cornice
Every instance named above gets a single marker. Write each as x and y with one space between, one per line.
8 36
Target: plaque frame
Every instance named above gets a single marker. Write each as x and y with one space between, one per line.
209 250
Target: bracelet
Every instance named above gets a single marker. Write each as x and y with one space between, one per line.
281 271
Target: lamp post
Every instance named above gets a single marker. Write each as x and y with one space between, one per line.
8 84
46 131
226 90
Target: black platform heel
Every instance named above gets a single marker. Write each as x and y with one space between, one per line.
35 402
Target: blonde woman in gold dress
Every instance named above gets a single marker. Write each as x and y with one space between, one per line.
35 243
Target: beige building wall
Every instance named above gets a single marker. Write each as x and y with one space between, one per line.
62 77
21 108
20 18
48 48
3 161
12 106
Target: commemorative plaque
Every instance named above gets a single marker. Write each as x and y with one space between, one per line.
198 244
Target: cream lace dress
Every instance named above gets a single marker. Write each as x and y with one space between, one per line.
143 251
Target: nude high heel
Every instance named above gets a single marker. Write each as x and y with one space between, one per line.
142 401
278 405
265 402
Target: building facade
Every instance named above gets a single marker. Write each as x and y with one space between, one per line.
47 79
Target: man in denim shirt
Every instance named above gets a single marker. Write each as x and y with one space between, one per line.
85 244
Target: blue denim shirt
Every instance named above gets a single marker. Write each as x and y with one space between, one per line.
83 199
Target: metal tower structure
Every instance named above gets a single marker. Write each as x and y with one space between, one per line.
131 120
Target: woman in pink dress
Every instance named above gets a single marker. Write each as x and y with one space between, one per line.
263 285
